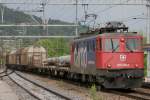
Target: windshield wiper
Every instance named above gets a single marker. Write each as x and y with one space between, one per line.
115 48
112 45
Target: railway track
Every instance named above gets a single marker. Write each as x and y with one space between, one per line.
37 91
146 85
4 73
137 94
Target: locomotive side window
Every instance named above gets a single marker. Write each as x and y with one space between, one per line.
88 47
77 47
133 44
94 45
111 45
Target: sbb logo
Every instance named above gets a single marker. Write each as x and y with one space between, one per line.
123 57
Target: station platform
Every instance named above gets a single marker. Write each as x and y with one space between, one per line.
6 93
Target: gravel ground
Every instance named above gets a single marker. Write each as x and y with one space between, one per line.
35 90
22 95
71 89
85 93
56 85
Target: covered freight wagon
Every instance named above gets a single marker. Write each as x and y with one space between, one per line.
11 58
29 57
33 56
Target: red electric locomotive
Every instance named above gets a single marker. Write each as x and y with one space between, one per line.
113 57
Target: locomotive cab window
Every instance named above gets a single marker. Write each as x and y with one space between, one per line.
133 44
93 45
111 45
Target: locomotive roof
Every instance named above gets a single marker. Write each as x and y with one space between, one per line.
120 34
132 34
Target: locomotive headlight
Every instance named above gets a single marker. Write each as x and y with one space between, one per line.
109 65
122 40
136 65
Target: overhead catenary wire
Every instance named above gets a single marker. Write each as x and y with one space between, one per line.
69 2
129 18
115 4
121 19
38 37
111 7
98 12
125 19
102 4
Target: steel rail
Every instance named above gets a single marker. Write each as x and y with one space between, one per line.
126 94
24 89
49 90
6 74
3 72
146 85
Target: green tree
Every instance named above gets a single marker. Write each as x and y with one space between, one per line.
55 47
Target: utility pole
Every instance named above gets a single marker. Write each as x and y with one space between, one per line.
43 10
44 22
76 17
2 14
148 37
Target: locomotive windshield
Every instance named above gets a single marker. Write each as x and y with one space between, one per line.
133 44
113 45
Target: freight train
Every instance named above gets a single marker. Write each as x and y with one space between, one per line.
110 56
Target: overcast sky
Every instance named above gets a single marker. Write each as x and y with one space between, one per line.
105 13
